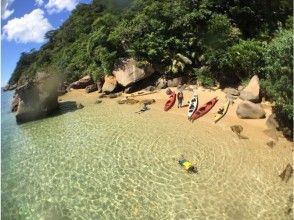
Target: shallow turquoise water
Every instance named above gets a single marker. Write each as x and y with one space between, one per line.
105 162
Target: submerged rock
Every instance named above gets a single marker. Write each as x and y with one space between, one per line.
250 110
237 129
287 173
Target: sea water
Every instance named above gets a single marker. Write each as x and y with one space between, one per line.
106 162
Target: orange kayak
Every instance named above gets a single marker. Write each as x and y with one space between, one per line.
170 102
204 109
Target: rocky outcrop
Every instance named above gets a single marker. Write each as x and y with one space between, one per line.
37 99
91 88
82 83
110 84
251 91
130 71
247 109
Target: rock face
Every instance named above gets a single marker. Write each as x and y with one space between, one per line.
91 88
251 91
36 99
82 83
247 109
110 84
130 71
10 87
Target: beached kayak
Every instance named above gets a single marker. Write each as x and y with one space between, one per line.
204 109
193 105
221 114
170 102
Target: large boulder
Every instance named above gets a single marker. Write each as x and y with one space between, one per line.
37 99
82 83
251 91
247 109
110 84
130 71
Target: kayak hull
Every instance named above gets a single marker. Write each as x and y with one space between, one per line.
170 102
204 109
219 116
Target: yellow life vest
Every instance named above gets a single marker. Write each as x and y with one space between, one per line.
187 165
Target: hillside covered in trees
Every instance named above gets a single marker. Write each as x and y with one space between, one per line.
219 41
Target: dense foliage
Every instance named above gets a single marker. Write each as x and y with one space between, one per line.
213 40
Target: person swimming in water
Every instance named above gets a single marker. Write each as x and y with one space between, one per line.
188 166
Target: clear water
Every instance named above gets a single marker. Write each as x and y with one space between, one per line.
105 162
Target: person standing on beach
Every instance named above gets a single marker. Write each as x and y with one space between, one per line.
180 97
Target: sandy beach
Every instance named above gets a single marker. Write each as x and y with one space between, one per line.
252 128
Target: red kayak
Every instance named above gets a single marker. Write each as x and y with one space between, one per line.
204 109
170 102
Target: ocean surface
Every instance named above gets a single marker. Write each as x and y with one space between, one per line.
105 162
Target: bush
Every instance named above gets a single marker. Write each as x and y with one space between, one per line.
278 72
204 76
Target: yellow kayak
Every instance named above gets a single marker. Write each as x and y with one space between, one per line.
222 111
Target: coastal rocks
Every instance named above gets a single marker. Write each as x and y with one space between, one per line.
272 122
128 101
110 84
161 83
99 84
131 71
82 83
250 110
168 91
10 87
37 99
231 91
175 82
98 101
91 88
287 173
271 144
251 91
80 106
14 104
237 129
148 101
